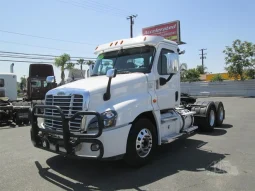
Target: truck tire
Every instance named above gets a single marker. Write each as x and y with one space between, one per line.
141 143
220 113
26 122
208 122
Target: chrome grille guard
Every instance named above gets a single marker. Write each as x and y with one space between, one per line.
70 139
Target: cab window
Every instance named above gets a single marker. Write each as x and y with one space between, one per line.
162 61
1 82
45 84
36 84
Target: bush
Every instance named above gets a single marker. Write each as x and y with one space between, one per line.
250 73
217 78
191 75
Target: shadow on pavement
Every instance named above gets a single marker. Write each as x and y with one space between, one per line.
225 126
80 174
218 131
215 132
11 126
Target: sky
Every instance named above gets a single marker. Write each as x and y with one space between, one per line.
87 23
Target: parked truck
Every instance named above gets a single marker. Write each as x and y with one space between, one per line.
11 109
36 83
128 107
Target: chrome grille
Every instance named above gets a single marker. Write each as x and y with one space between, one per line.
69 105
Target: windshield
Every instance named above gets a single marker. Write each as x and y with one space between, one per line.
125 60
36 83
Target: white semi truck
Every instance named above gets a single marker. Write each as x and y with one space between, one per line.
11 110
129 105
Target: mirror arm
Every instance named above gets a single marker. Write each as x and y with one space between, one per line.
163 81
107 94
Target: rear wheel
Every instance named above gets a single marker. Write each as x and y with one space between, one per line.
208 122
141 143
220 113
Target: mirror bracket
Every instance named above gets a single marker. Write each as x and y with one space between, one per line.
110 74
163 81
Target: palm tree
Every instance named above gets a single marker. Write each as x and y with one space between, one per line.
80 62
63 62
90 62
201 69
183 67
183 70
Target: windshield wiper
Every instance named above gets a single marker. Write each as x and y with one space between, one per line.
123 72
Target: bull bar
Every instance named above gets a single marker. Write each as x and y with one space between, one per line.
70 139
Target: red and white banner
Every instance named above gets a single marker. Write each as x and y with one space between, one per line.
170 31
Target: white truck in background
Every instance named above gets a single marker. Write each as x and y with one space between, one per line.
11 110
129 105
8 86
77 74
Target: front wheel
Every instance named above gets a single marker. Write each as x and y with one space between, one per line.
141 143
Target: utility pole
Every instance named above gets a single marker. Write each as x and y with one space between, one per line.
202 56
131 17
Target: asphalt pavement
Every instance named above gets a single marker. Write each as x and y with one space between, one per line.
221 160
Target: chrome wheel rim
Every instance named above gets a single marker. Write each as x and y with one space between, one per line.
144 143
221 114
212 117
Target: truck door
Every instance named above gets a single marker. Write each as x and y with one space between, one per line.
167 94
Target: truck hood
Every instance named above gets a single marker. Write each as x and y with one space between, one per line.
99 83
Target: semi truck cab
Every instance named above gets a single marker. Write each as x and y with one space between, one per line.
129 105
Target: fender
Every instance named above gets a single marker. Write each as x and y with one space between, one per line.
130 108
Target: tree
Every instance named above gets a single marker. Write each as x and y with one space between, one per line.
239 58
250 73
80 62
201 69
23 83
63 62
191 75
183 69
90 62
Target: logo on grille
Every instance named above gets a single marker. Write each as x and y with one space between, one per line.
61 93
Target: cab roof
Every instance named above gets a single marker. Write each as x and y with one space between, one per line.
132 42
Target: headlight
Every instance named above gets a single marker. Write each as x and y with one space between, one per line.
109 118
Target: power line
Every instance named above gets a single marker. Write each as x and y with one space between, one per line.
26 61
77 4
35 58
32 45
105 5
45 55
131 24
34 36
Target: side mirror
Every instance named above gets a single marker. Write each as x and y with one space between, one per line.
172 63
111 73
50 79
